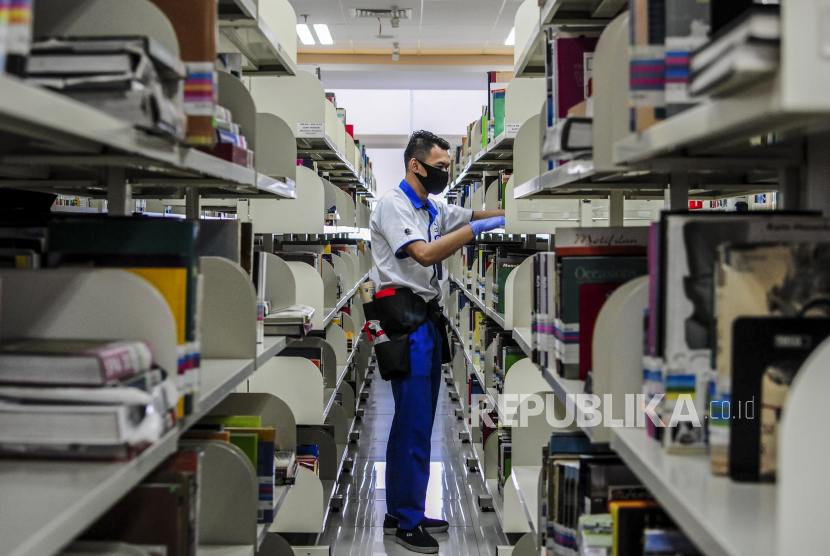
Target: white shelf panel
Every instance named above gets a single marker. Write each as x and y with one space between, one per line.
526 481
523 338
261 49
342 375
712 124
57 125
343 301
46 504
219 378
225 550
498 501
722 517
497 317
269 348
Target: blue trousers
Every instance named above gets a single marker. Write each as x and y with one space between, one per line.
408 450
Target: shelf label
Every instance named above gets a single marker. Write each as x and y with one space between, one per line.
511 130
311 130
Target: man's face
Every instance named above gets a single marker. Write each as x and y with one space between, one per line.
438 158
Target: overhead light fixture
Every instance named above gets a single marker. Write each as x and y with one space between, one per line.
304 33
396 54
511 38
396 21
323 34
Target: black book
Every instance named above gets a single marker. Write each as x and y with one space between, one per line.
766 355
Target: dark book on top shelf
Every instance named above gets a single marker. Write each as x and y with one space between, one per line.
687 28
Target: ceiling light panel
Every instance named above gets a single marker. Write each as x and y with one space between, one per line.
323 34
304 34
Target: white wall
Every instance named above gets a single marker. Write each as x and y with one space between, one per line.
395 114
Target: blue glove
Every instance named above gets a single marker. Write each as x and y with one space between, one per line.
487 224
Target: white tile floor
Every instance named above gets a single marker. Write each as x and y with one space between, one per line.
356 530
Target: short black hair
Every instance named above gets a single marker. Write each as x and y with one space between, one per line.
421 144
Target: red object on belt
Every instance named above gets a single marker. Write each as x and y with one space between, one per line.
385 293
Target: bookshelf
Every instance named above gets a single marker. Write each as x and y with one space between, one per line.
263 33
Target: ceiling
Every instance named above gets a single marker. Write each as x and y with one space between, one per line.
444 27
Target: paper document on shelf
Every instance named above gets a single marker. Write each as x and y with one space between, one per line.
311 130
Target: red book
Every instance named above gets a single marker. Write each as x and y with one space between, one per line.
231 153
591 299
570 71
350 130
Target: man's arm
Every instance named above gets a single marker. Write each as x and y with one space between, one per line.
482 214
428 254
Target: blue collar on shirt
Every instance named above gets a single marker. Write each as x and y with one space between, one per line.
416 201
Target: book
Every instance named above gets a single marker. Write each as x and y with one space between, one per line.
233 421
758 24
667 541
72 362
687 28
184 463
647 66
570 71
293 321
569 138
572 274
263 447
160 250
51 420
689 244
285 467
150 514
592 297
735 69
195 23
631 519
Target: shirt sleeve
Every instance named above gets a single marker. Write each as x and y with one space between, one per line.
454 217
399 226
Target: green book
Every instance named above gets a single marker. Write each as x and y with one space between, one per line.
511 355
234 421
247 442
503 273
498 112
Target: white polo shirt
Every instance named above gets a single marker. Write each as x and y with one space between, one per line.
399 218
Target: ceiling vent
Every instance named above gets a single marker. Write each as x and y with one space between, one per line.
370 13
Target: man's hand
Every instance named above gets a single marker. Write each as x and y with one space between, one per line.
487 224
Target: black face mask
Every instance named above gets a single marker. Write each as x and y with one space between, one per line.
435 181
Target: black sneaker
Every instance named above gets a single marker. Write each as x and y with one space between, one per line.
390 525
435 525
417 540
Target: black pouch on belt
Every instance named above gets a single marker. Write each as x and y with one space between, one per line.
400 312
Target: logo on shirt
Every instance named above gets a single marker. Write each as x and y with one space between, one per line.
408 232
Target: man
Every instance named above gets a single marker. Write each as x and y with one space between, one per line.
411 235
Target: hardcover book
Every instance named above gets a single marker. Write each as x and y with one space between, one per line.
767 354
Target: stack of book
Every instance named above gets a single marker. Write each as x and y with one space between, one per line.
256 442
592 504
590 264
308 456
231 144
734 310
162 251
132 78
738 55
160 516
82 398
285 468
505 463
293 321
662 37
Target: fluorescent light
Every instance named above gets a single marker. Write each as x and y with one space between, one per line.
305 34
323 34
511 38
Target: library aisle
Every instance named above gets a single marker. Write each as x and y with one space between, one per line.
451 495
